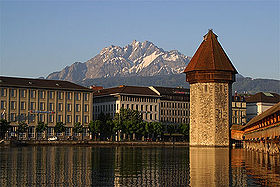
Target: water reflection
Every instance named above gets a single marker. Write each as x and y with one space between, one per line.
209 166
135 166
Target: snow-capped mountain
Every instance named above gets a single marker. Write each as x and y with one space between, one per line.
135 59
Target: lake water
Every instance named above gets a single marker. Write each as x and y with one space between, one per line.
136 166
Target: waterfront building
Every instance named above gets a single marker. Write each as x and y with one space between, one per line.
110 100
238 110
260 102
49 101
210 74
174 104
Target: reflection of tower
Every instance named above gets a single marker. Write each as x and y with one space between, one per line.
210 74
238 172
209 166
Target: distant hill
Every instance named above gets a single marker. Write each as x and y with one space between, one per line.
242 84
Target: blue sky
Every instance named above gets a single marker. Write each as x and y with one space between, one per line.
40 37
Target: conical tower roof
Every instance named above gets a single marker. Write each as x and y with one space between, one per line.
210 58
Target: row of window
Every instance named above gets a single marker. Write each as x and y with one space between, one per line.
32 106
239 104
145 116
114 107
106 108
42 94
174 105
174 120
236 120
139 99
149 108
43 118
238 113
175 112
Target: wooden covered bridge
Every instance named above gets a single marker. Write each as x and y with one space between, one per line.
262 133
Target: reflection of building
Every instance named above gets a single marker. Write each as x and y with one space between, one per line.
210 74
48 101
260 102
209 166
110 100
238 110
156 166
174 104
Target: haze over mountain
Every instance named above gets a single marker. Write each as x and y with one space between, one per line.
135 59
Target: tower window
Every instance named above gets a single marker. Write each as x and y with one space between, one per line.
205 88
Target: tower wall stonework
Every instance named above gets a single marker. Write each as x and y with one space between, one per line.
210 114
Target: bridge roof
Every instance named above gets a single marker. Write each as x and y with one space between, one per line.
263 115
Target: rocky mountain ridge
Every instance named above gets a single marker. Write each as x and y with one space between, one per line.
135 59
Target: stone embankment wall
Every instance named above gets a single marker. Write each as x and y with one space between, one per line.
81 142
209 114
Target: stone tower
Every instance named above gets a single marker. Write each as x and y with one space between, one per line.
210 74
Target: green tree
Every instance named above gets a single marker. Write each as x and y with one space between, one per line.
106 128
129 122
139 129
4 127
149 129
22 128
94 128
117 123
41 127
158 129
59 127
171 128
185 130
78 128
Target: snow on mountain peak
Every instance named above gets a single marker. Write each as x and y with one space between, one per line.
137 58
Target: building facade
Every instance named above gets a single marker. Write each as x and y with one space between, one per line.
48 101
260 102
238 110
109 101
210 74
174 104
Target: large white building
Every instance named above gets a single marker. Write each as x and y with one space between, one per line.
110 100
260 102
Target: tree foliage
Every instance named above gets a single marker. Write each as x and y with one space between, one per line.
22 127
41 127
78 128
130 122
4 127
184 129
59 127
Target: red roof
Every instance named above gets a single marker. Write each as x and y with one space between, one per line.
129 90
210 56
40 84
264 97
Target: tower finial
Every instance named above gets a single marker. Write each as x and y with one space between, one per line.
210 32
